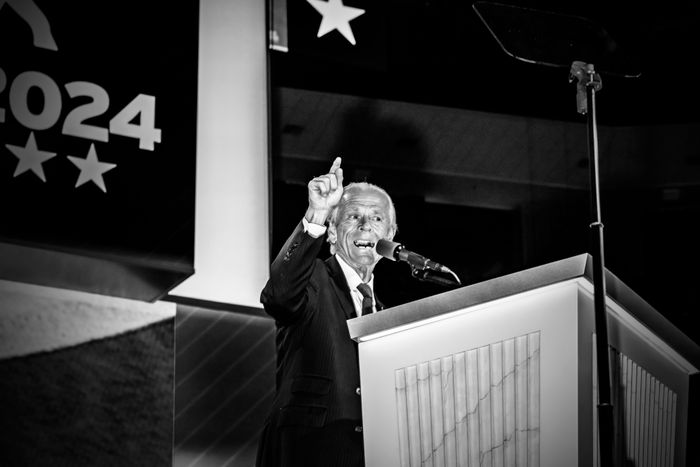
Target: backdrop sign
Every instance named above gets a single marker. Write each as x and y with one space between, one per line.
98 130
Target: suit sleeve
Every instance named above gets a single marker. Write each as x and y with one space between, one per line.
286 294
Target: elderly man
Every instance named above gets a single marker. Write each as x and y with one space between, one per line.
316 414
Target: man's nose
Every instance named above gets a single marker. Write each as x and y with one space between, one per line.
364 223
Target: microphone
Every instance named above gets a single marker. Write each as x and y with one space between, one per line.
395 251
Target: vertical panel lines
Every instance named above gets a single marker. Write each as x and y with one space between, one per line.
473 405
645 415
533 388
402 414
448 409
521 401
461 409
480 407
509 403
496 365
425 426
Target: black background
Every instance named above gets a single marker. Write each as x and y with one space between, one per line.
440 53
127 48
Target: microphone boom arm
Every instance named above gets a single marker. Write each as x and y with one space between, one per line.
421 268
428 275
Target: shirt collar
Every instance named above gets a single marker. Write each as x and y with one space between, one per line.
351 276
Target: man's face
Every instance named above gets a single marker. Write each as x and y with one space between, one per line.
363 219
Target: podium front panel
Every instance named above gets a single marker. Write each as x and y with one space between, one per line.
492 382
512 380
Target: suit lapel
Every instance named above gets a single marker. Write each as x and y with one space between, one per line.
341 287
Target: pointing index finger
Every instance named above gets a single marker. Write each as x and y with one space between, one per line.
339 176
336 165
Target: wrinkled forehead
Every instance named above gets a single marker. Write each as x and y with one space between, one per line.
365 197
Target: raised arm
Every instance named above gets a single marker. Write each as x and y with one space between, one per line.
285 294
324 193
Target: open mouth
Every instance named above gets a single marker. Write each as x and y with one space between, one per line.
364 244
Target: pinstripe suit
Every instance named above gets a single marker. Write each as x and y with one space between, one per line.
316 414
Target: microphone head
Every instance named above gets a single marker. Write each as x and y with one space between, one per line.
386 248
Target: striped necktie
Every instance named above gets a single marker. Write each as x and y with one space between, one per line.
366 292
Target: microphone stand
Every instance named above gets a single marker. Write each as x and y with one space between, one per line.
589 83
424 274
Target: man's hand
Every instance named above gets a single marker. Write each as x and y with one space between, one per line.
324 193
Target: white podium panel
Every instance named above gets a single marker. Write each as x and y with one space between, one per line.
503 373
469 387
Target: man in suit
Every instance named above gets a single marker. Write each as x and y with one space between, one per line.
316 416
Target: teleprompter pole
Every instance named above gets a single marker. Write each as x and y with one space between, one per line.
588 84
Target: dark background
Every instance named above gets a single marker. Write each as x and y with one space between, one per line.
148 209
143 225
438 63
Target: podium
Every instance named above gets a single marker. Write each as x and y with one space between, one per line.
503 373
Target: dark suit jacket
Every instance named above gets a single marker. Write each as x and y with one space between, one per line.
316 413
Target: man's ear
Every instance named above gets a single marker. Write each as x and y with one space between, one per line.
332 233
331 238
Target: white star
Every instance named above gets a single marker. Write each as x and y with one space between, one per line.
336 16
30 158
91 169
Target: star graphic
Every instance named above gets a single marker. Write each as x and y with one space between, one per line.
336 16
91 169
30 157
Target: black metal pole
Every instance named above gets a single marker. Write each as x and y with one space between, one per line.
606 432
